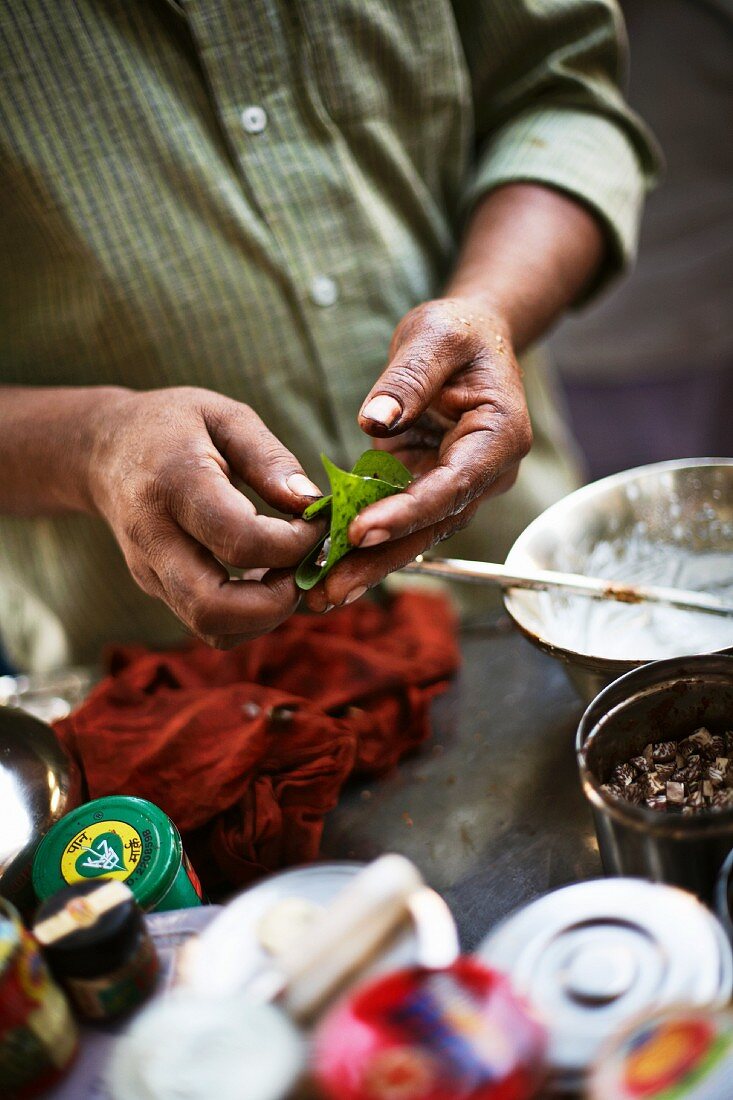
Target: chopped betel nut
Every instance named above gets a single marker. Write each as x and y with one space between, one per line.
653 785
676 793
687 776
624 774
717 747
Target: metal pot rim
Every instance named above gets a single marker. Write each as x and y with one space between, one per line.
603 665
722 905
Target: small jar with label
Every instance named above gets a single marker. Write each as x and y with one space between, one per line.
123 838
94 937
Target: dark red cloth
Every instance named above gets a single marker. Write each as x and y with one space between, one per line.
247 750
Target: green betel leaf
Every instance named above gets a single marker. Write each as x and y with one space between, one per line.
376 475
316 507
383 466
309 572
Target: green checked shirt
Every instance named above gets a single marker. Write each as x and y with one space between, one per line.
247 195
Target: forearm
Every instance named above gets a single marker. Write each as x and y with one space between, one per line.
46 440
527 254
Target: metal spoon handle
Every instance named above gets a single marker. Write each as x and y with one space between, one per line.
540 580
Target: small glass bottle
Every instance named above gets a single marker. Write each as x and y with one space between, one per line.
96 943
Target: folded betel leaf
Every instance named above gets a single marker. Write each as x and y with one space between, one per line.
382 466
376 475
317 506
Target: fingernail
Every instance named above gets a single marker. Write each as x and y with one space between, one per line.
382 410
302 486
328 607
355 594
374 537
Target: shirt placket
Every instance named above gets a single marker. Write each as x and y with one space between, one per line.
291 172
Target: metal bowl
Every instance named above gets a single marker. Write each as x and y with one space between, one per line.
668 523
39 783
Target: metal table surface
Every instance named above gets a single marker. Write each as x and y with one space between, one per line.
490 809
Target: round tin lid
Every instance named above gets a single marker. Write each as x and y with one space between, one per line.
117 837
256 925
592 956
685 1052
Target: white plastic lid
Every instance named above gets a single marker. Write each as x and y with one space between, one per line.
185 1047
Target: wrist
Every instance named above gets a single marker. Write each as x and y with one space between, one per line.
96 443
48 440
476 305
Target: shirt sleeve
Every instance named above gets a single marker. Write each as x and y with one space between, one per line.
546 83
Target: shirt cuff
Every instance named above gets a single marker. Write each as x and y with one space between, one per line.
583 154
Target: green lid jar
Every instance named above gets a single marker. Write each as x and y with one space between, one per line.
122 838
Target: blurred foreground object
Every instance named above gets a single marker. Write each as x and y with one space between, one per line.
203 1042
592 957
38 1036
458 1033
400 923
685 1053
198 1049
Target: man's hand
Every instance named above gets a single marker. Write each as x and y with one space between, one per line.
451 402
451 406
160 472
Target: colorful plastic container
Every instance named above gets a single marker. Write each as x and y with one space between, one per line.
459 1033
123 838
681 1054
38 1037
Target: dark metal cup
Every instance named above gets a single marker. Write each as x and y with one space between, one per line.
661 701
724 896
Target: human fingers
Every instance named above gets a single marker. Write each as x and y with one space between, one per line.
431 345
203 501
198 589
362 569
258 457
480 457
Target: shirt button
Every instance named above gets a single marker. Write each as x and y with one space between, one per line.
254 119
324 291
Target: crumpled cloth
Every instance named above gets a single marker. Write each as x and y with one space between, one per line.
247 750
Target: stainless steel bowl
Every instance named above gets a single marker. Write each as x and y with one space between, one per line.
660 511
39 783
